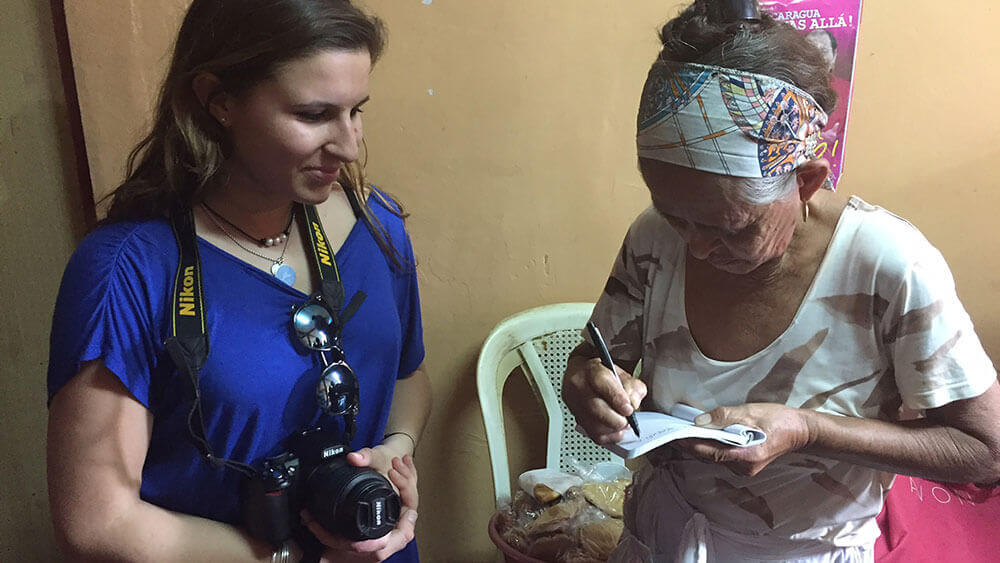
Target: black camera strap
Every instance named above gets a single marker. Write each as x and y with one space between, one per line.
188 344
188 341
331 288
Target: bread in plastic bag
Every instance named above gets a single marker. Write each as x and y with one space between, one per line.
581 525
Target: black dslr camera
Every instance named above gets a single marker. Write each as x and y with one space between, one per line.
313 473
356 502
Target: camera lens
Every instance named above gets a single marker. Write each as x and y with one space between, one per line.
356 502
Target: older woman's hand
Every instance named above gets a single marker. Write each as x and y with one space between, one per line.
787 430
600 400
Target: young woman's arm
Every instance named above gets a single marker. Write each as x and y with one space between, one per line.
98 435
411 406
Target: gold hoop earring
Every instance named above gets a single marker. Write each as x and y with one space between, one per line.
805 211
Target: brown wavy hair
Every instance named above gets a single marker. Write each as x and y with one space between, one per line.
768 46
242 42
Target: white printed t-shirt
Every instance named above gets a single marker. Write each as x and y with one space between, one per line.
880 327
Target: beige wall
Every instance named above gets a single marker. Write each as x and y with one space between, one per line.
506 127
40 218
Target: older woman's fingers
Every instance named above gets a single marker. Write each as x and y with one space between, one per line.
605 435
635 389
600 419
602 425
609 387
686 446
708 450
741 461
590 393
720 417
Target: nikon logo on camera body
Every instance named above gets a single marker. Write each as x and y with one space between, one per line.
186 303
321 247
332 451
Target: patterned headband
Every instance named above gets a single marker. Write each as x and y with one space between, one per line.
726 121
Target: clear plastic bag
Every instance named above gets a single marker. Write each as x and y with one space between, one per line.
567 517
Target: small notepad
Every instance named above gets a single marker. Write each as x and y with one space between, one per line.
658 428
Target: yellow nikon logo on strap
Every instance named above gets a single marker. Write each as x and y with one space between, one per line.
187 304
321 248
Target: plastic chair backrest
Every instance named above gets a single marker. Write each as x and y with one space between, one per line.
539 342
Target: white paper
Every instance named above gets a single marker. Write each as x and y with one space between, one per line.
658 428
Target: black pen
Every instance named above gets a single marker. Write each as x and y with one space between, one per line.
602 348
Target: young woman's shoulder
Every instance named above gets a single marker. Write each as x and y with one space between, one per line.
386 208
119 263
124 244
113 293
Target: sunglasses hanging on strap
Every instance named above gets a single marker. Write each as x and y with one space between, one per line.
188 346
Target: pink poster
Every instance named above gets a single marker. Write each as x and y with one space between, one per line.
833 26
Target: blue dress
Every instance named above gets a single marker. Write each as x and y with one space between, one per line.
258 384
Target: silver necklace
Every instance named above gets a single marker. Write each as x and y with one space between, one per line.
279 269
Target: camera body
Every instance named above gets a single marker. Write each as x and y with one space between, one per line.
313 473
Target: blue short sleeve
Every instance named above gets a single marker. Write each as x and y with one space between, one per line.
106 309
411 327
405 285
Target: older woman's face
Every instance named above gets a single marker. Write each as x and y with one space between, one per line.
728 233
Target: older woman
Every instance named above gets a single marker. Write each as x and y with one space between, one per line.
748 291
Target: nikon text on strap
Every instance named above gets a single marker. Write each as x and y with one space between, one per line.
188 341
331 288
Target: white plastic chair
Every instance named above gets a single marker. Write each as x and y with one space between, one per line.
539 342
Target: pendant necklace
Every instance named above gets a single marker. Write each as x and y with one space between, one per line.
279 269
280 238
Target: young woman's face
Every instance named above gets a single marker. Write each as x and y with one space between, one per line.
294 132
729 234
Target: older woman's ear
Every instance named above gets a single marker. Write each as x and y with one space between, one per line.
810 177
